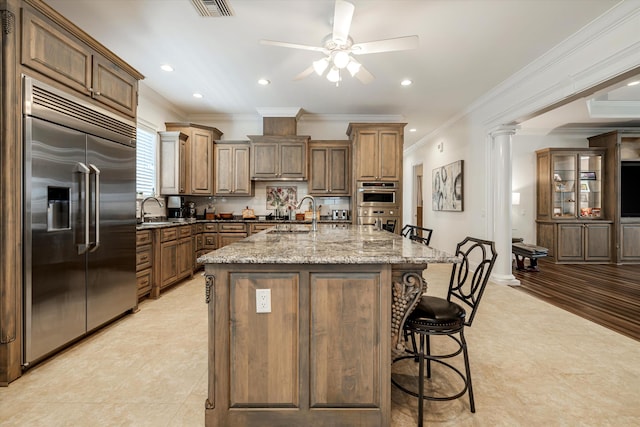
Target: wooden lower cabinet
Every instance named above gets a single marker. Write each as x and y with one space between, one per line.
576 241
630 242
230 232
258 227
175 255
321 357
144 262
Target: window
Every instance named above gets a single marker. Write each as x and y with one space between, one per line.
146 161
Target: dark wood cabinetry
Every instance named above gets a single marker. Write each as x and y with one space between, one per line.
144 262
377 150
621 147
573 208
278 158
330 168
189 159
54 52
175 256
232 170
230 232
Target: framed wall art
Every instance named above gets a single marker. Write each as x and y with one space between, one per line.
446 192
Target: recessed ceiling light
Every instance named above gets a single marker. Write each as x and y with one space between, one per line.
166 67
197 95
263 82
412 130
633 83
406 82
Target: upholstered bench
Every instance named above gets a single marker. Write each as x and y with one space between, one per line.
524 250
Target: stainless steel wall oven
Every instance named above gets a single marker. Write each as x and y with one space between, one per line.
377 194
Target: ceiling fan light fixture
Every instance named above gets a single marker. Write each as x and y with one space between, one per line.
353 67
333 75
320 65
341 59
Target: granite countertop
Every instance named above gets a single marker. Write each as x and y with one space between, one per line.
164 224
331 244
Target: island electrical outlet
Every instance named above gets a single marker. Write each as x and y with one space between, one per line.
263 300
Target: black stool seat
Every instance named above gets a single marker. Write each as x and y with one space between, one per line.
433 313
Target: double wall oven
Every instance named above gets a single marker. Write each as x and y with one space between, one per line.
378 202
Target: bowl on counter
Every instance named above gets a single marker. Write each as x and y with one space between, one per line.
224 215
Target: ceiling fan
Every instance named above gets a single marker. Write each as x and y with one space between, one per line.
338 48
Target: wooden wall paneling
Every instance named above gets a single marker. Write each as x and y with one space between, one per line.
264 348
344 340
10 197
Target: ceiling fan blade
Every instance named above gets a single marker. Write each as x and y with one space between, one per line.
342 21
364 76
292 45
387 45
304 74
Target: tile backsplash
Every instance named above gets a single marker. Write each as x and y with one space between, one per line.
258 202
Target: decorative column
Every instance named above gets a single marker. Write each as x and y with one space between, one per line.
501 203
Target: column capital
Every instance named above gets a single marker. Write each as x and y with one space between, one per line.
504 130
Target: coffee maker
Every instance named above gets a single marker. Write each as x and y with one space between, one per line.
174 207
190 210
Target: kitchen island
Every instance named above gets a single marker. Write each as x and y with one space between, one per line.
336 300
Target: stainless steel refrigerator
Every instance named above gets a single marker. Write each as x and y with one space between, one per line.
79 219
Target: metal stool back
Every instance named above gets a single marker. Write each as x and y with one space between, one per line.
439 316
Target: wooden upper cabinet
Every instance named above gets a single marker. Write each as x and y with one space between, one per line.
113 87
61 56
201 161
276 158
55 53
232 175
377 150
173 162
199 156
330 168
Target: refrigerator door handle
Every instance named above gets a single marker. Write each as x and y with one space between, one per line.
96 204
83 169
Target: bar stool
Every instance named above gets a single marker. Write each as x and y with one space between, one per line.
411 232
438 316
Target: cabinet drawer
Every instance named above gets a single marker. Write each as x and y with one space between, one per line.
144 257
199 228
184 231
167 234
143 237
210 240
256 228
235 227
209 227
144 281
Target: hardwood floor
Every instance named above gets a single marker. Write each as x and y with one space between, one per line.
603 293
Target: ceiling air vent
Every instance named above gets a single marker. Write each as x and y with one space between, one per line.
212 7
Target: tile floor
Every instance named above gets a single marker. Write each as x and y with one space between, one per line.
533 364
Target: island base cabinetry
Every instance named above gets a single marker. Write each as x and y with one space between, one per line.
320 357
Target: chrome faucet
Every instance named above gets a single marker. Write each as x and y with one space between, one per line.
314 220
144 201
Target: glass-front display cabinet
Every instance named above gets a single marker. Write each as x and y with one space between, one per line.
570 184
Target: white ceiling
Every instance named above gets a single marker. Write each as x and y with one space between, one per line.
466 48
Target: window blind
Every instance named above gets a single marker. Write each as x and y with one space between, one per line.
146 161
